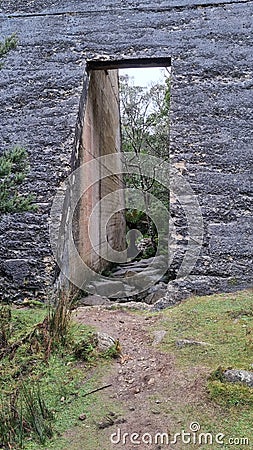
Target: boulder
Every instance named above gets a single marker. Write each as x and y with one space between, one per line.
239 376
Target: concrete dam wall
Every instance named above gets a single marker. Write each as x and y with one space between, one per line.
44 102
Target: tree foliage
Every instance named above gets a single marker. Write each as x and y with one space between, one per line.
144 117
145 130
14 168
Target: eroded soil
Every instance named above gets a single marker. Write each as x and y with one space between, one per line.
153 391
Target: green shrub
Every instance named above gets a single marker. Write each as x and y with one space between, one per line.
8 44
14 168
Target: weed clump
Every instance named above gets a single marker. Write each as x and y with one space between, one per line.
86 348
24 414
14 167
23 410
5 325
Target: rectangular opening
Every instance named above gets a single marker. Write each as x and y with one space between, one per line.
104 133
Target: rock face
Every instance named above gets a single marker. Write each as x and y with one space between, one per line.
43 97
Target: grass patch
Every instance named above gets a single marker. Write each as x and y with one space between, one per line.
225 321
229 394
44 388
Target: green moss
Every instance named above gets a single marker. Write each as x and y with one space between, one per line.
230 394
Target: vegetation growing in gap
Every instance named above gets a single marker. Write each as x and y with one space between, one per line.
8 44
14 168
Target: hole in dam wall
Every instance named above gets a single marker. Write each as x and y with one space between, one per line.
125 119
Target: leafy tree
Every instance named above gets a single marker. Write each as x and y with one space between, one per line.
145 130
14 168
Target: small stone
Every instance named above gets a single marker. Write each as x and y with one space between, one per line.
190 342
107 422
113 396
82 416
119 421
155 296
158 337
131 408
151 381
105 341
154 411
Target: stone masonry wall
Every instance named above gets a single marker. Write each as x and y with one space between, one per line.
211 118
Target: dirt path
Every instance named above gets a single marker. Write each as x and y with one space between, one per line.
148 384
